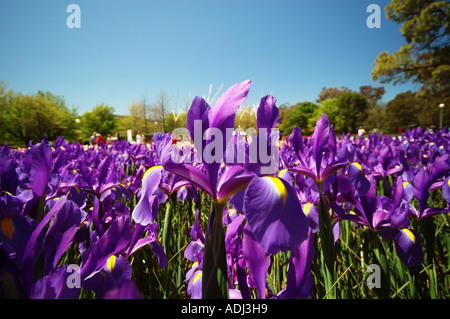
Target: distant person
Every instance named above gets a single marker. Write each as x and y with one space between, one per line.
99 139
93 139
109 139
361 131
140 138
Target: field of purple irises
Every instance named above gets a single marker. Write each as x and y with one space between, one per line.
325 216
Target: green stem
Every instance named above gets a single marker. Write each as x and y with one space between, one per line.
215 277
327 243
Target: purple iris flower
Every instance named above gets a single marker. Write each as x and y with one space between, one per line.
137 242
428 180
114 241
389 216
317 166
201 118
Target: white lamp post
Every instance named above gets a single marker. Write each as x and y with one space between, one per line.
441 106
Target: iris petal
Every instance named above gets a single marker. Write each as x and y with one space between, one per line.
142 213
274 214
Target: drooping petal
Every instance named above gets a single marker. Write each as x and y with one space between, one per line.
356 176
114 240
159 252
257 260
299 280
142 213
408 246
274 214
194 288
446 189
60 234
119 267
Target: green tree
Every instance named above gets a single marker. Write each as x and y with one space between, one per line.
299 115
353 110
424 57
283 110
375 110
100 120
331 108
402 112
330 93
25 118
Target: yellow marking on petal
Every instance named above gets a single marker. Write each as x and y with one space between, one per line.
280 187
151 169
74 171
196 277
8 227
9 193
111 262
231 211
405 184
441 147
282 172
425 155
352 212
448 182
77 188
194 264
397 166
357 165
335 219
307 207
410 234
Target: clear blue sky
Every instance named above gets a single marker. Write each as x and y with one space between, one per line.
132 49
